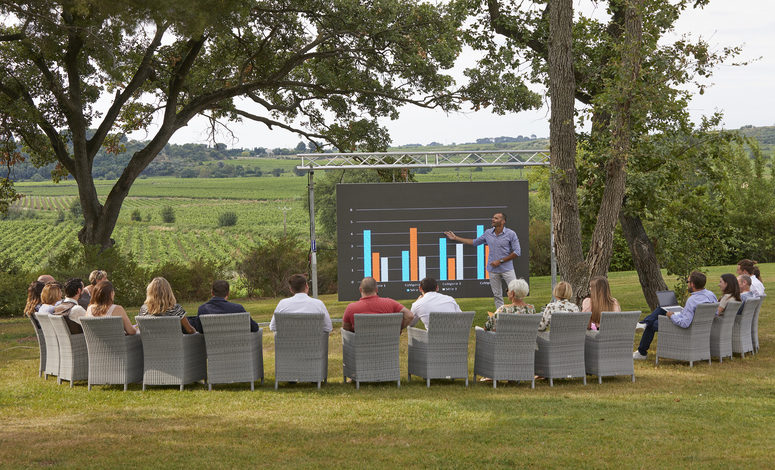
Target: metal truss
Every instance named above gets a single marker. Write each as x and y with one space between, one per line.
448 159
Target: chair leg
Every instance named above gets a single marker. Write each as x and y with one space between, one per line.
656 363
633 378
357 385
88 386
143 386
59 380
551 382
252 386
318 385
209 387
71 383
691 363
428 382
399 383
533 383
126 386
466 381
181 387
494 383
585 380
599 380
275 384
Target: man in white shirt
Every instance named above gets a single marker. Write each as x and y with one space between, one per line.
301 302
431 300
69 307
746 266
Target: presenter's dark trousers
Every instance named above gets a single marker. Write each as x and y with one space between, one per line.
652 324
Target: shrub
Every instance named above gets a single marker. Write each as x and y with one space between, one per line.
76 211
192 281
148 217
13 288
136 216
327 269
168 215
266 268
227 219
540 248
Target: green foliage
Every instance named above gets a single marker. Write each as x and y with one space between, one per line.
227 219
192 281
267 267
168 214
136 216
540 248
327 269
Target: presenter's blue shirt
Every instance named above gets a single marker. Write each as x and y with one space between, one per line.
501 245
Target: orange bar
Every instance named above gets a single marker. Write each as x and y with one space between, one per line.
375 266
413 254
451 269
486 260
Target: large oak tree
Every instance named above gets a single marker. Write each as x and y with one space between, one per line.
326 69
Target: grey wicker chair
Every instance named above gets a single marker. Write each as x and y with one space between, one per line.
114 357
300 348
721 331
73 358
169 356
371 353
560 352
52 345
741 331
509 352
41 345
442 351
687 344
666 298
755 325
608 352
234 353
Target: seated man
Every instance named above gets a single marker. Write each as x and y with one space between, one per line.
683 317
745 287
372 303
431 300
301 302
69 307
746 266
219 303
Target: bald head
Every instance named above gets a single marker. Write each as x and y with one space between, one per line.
368 286
46 278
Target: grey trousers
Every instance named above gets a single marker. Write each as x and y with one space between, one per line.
496 283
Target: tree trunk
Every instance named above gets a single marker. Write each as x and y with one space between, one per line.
644 258
562 138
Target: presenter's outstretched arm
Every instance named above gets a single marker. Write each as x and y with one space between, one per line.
452 236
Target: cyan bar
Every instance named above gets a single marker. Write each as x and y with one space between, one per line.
367 253
405 266
442 259
480 254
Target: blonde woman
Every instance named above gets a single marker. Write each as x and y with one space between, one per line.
95 277
518 290
101 305
599 300
562 293
50 296
160 301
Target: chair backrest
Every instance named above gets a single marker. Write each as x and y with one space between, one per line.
108 330
160 332
732 308
377 326
666 297
618 325
450 327
704 315
568 327
59 323
226 324
299 326
750 306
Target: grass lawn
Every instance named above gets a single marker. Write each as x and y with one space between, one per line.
708 416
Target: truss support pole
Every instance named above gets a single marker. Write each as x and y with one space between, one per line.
313 252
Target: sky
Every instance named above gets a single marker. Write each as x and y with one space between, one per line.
746 95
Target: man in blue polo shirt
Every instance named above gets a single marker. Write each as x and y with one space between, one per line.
504 248
683 317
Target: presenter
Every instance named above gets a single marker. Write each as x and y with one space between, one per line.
504 248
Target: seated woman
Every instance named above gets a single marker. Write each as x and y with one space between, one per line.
160 301
599 300
33 300
518 290
562 292
95 277
730 289
101 305
50 296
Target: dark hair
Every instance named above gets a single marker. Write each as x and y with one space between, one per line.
698 279
72 286
428 284
220 288
733 287
297 283
746 265
756 272
101 298
502 215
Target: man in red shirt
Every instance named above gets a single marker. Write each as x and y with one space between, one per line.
372 303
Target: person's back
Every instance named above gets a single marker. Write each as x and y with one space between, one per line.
69 307
219 304
371 303
431 301
301 302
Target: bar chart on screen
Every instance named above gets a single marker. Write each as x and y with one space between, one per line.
394 233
